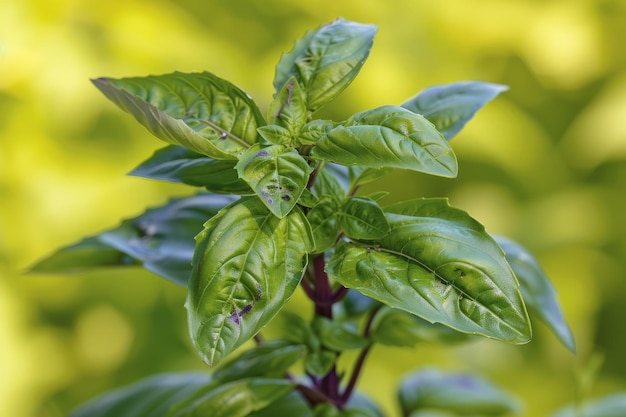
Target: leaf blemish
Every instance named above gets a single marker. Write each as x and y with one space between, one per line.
236 315
262 153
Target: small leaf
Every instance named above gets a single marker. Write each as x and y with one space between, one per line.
151 397
247 264
612 405
237 399
161 239
292 404
440 265
326 60
314 130
271 359
275 134
299 331
388 137
320 362
288 109
450 107
459 394
339 336
179 164
199 111
360 175
538 292
362 218
324 223
329 182
278 175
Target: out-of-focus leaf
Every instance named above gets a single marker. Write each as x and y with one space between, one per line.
329 410
326 60
450 107
388 137
439 264
339 336
612 405
161 239
292 404
247 264
236 399
354 304
151 397
319 362
460 394
278 175
538 292
360 175
362 218
271 359
199 111
299 331
179 164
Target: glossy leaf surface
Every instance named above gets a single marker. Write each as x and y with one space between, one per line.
388 137
288 110
439 264
278 175
179 164
326 60
199 111
450 107
152 397
362 218
323 218
161 239
247 265
537 290
237 398
460 394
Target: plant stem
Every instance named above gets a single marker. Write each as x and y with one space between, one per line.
323 291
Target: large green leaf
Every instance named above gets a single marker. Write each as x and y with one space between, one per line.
277 174
460 394
362 218
247 264
326 60
538 292
179 164
439 264
388 137
236 399
199 111
612 405
152 397
450 107
271 358
161 239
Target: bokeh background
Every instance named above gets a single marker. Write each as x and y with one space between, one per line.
544 164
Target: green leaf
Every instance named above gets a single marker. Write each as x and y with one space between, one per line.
329 182
320 362
275 134
538 292
354 304
314 130
271 359
199 111
339 336
151 397
236 399
362 218
439 264
297 330
450 107
247 264
288 110
278 175
460 394
292 404
324 223
394 327
179 164
388 137
360 175
612 405
326 60
161 239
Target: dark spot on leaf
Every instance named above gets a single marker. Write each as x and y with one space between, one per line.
262 153
286 197
236 315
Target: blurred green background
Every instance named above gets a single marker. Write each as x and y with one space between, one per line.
544 164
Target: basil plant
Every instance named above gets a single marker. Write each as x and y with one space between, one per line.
278 208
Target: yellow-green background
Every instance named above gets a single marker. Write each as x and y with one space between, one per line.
544 164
